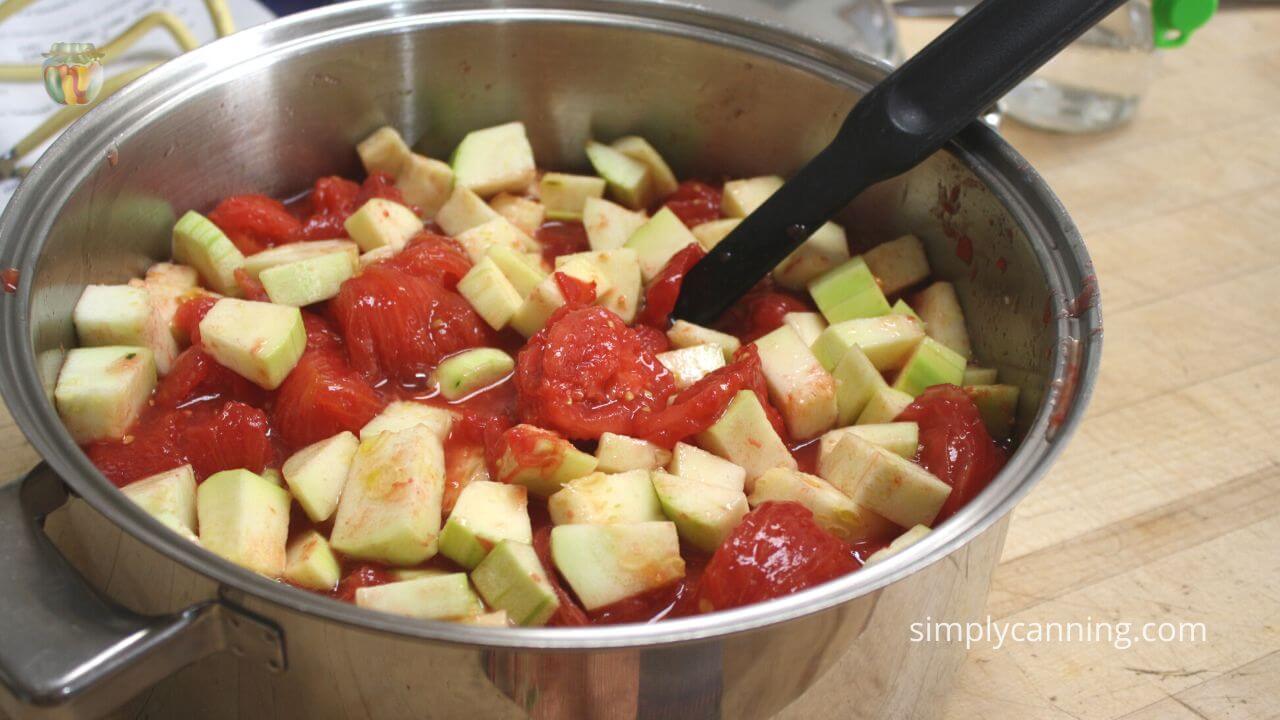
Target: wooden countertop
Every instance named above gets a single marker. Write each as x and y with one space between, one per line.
1166 505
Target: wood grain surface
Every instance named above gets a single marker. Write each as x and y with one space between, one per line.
1166 505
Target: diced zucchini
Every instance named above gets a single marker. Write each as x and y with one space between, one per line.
168 286
471 371
540 460
466 465
898 264
808 325
607 563
609 225
405 414
436 597
124 315
523 275
834 511
402 574
317 473
310 563
887 341
658 240
885 405
494 159
202 245
943 319
802 390
564 195
293 252
497 618
974 375
383 151
684 334
931 364
622 268
490 292
169 496
178 277
900 307
998 405
900 438
463 211
709 234
857 381
525 213
512 579
744 437
847 292
425 183
498 232
637 148
102 390
629 180
695 463
485 514
390 506
892 486
704 514
619 453
376 255
307 281
691 364
272 476
259 341
382 223
900 543
826 248
742 197
245 519
546 298
606 499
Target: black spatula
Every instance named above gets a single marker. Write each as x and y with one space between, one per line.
899 123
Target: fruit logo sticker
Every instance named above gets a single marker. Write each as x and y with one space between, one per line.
73 73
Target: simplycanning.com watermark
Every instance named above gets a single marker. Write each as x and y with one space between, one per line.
1121 635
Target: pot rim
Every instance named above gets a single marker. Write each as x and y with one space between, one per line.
26 222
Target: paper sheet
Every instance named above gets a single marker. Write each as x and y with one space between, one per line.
32 31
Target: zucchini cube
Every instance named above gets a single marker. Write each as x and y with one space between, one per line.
622 269
931 364
710 234
101 391
900 438
900 307
289 253
847 292
472 371
744 437
606 499
463 211
704 514
382 223
546 298
540 460
825 249
887 341
802 390
169 496
425 183
260 341
900 543
485 514
390 506
742 197
974 375
607 563
498 232
637 148
885 405
525 213
834 511
691 364
317 473
565 195
523 274
245 519
309 281
383 151
512 579
857 381
628 179
683 334
490 292
658 240
404 414
124 315
998 405
697 464
898 264
435 597
609 225
619 453
891 486
202 245
494 159
310 563
808 325
939 308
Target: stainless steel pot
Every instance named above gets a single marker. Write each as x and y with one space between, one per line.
272 108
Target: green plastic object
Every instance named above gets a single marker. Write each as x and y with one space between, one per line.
1174 21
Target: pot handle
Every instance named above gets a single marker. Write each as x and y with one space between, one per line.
67 651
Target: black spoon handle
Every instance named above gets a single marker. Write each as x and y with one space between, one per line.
903 120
